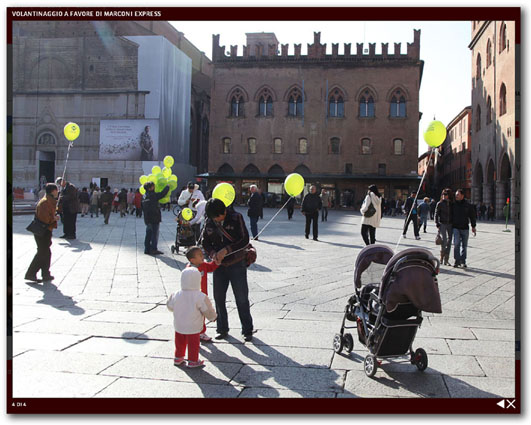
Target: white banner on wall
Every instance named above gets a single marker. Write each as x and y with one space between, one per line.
131 140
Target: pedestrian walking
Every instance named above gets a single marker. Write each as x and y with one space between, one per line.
190 307
46 213
138 203
68 205
325 202
263 196
131 201
255 207
490 212
424 212
122 200
115 201
107 199
290 206
84 201
311 204
443 221
433 205
463 213
152 217
482 211
225 238
411 211
371 211
95 202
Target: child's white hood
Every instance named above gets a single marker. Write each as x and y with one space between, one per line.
191 279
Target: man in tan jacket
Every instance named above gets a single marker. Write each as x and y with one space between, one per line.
46 213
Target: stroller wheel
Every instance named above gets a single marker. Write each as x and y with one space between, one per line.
338 343
420 359
370 365
349 343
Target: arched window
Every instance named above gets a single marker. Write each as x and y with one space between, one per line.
489 110
398 104
334 145
226 145
277 145
398 147
251 145
366 104
489 53
226 170
503 37
46 139
295 103
303 146
336 104
276 170
265 103
503 99
366 147
251 170
236 104
478 118
478 67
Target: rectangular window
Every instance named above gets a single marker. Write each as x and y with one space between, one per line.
348 168
303 146
277 145
251 145
226 145
381 170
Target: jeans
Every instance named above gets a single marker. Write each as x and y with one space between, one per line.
152 237
446 234
43 257
254 225
460 244
414 219
366 231
309 217
236 274
423 221
324 214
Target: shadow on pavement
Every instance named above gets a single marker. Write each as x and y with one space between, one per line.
53 297
259 268
171 261
135 338
76 244
282 245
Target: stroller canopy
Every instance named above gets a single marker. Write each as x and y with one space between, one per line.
379 254
410 276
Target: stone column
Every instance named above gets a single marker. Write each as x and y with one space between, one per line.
475 195
513 197
487 194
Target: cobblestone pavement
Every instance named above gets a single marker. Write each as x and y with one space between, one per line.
101 329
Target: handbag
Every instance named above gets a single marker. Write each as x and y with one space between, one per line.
37 227
249 250
370 211
438 239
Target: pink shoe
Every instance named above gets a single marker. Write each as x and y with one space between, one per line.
205 337
177 361
199 363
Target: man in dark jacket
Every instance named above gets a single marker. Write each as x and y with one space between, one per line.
68 205
106 204
443 221
255 208
122 200
311 204
152 217
461 214
224 240
411 206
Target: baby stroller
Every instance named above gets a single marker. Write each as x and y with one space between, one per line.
185 235
387 314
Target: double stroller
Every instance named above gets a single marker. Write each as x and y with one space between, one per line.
391 292
185 235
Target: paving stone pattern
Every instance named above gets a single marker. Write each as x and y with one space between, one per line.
101 329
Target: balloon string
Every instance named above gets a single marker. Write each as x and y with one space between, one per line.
263 228
70 144
415 200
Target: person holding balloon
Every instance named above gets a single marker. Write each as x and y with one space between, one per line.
225 238
152 217
189 195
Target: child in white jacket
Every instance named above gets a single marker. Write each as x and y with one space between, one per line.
189 306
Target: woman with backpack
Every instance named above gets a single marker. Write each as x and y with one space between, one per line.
371 211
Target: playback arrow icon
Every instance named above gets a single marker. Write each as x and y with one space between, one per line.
501 404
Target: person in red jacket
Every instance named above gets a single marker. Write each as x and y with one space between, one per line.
196 259
138 203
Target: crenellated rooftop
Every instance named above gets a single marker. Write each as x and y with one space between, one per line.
263 47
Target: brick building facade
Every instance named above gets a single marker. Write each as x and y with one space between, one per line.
494 105
342 121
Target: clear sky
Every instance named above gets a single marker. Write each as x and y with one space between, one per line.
446 82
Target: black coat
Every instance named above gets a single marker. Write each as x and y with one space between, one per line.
68 201
311 203
462 214
84 197
443 213
255 205
151 207
106 200
409 205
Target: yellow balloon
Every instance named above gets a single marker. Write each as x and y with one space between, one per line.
152 178
71 131
142 190
225 192
156 169
294 184
168 161
187 214
435 134
143 179
166 172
